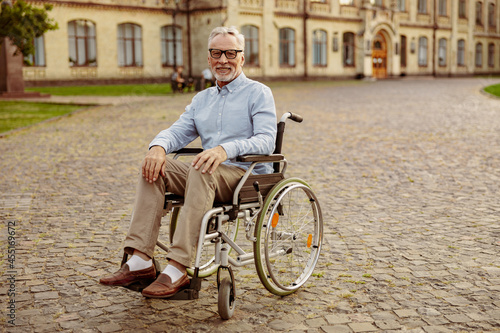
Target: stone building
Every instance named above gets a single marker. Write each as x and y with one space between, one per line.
143 40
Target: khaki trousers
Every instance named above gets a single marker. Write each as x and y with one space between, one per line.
199 191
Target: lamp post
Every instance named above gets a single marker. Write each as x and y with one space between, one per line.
174 31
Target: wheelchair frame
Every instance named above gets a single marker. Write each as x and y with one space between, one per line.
260 201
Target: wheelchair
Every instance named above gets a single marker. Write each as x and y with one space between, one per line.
281 217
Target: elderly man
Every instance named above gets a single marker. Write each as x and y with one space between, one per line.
237 117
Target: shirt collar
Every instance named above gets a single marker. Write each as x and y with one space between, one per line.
233 85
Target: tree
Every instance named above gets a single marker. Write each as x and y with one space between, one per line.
21 23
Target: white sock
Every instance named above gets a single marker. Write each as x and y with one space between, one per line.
174 273
136 263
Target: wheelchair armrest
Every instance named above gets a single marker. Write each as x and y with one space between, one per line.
188 151
260 158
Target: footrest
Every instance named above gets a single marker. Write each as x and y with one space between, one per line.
185 294
139 286
190 292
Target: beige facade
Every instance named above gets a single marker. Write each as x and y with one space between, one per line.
292 38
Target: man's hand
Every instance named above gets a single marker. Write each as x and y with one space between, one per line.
209 159
154 164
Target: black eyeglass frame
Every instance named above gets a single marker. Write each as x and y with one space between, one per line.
224 53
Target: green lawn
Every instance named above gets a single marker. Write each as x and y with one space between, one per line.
107 90
494 89
20 114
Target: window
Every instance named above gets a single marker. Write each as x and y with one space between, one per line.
461 52
442 52
251 34
442 10
402 5
422 6
404 47
462 8
287 47
348 49
479 55
491 16
491 55
479 13
347 2
81 42
129 45
171 46
422 51
319 48
38 58
379 3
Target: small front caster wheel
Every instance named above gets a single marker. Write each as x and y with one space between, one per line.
226 299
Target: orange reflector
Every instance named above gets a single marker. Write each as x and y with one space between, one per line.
309 240
276 217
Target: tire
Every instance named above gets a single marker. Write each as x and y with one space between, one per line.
289 236
226 299
208 266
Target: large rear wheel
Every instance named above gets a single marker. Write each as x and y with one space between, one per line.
289 235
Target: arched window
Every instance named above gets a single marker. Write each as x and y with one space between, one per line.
402 5
479 55
462 8
129 45
479 13
287 47
404 48
171 46
491 16
81 42
461 52
491 55
251 34
348 49
38 58
319 48
422 51
443 10
422 6
442 51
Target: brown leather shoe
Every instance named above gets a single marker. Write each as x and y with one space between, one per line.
164 288
125 277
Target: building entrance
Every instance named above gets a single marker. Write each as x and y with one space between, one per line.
379 57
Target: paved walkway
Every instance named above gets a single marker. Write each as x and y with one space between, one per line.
407 172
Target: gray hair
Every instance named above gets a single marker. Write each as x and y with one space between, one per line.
228 31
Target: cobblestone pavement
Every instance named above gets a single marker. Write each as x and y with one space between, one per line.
407 173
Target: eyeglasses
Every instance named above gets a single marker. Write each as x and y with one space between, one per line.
230 54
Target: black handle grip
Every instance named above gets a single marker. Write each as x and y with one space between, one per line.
256 186
296 117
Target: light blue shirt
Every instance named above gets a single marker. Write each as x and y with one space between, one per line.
240 117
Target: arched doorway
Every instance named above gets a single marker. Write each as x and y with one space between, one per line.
379 57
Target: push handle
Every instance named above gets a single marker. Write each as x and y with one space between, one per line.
296 117
292 116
